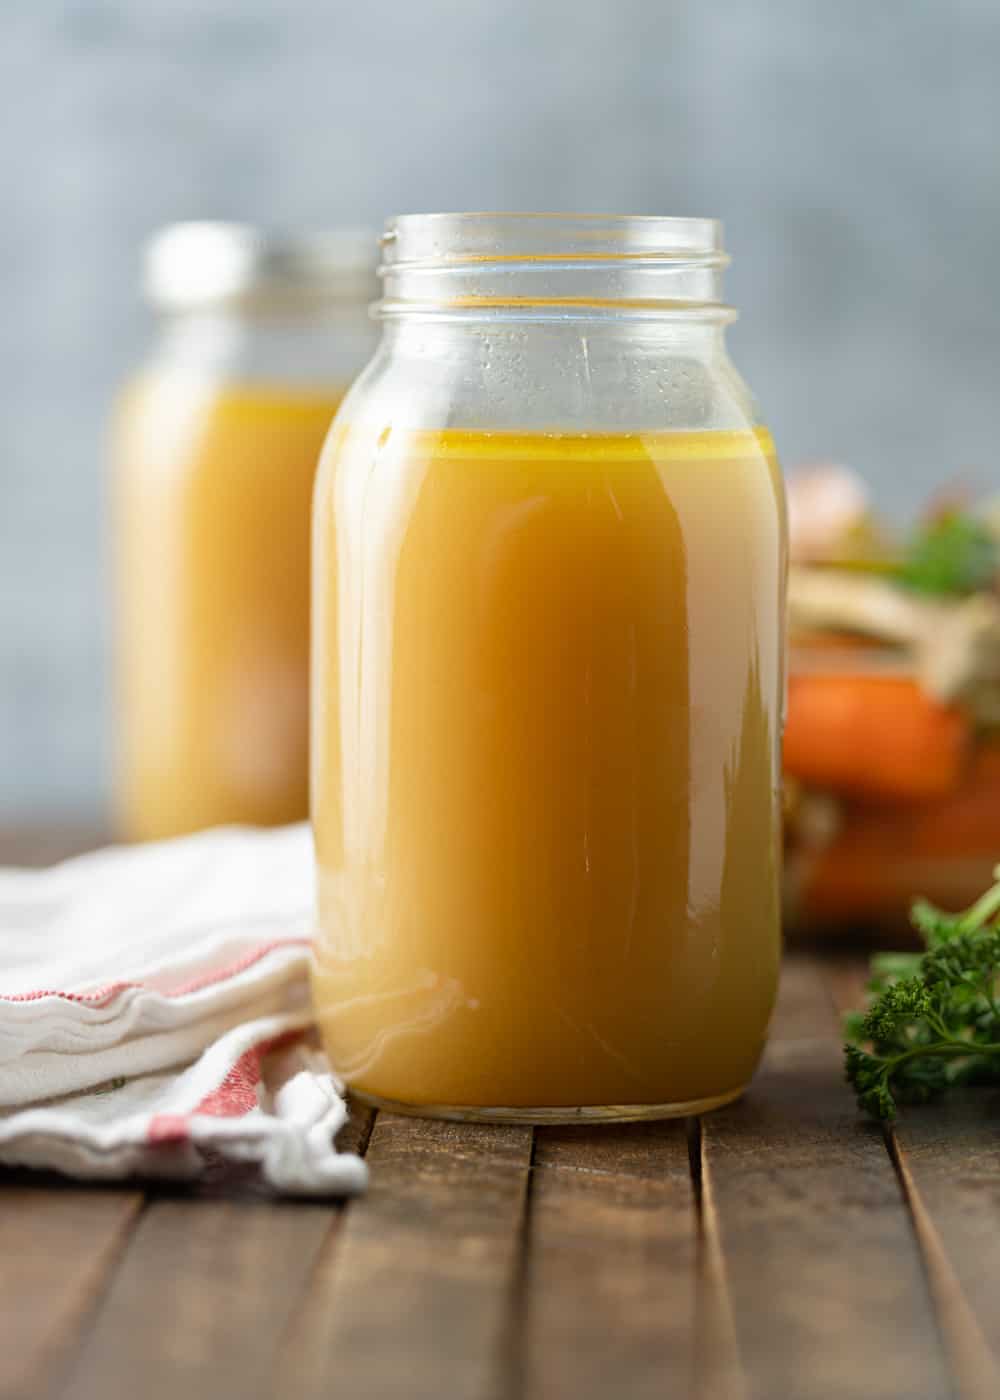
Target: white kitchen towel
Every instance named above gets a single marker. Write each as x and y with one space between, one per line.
154 1014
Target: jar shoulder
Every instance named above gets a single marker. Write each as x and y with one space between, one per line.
548 379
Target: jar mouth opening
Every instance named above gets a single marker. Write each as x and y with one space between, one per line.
552 264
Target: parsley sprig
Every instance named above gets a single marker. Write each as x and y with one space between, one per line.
934 1020
954 553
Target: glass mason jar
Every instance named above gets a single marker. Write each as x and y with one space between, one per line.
549 561
216 443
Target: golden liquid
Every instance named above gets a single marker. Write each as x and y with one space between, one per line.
547 677
212 497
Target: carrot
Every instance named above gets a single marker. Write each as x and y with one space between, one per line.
873 736
872 872
888 853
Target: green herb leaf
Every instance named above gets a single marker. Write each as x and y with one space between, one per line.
956 553
934 1020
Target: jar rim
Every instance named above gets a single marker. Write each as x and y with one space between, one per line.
545 265
483 235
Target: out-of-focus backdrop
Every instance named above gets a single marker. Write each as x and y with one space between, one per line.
851 149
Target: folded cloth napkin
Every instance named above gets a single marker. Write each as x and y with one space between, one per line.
154 1015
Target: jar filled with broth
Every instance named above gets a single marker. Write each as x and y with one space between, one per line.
549 563
216 442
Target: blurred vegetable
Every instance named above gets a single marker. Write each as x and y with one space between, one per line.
950 644
954 553
864 867
830 518
873 736
892 748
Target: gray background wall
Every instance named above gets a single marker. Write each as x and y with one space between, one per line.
853 150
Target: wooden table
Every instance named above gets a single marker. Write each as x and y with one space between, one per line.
780 1248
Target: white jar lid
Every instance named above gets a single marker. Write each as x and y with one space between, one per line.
201 264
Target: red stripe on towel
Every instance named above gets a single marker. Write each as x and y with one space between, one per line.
237 1094
234 1097
102 995
167 1127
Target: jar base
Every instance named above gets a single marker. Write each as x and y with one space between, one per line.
562 1116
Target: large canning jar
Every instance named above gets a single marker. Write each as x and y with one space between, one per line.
549 563
216 443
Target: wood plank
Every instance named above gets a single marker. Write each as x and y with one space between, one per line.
200 1301
356 1133
414 1297
846 976
805 1008
59 1246
720 1369
948 1155
828 1290
611 1279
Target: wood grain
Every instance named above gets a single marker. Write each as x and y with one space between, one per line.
200 1301
609 1304
802 1262
827 1285
414 1295
947 1155
356 1133
59 1246
805 1009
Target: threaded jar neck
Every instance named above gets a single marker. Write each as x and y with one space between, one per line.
552 266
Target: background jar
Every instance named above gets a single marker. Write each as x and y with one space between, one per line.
548 617
215 448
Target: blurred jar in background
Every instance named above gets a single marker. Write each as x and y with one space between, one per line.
215 447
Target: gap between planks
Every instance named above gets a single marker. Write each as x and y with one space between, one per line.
415 1294
493 1262
589 1235
599 1268
611 1299
501 1262
61 1244
99 1295
199 1293
946 1157
603 1253
599 1265
825 1282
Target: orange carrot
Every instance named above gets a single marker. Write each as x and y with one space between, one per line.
873 736
887 853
